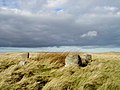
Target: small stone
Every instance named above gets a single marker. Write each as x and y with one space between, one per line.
86 58
22 63
25 56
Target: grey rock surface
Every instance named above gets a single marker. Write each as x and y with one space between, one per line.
72 59
82 60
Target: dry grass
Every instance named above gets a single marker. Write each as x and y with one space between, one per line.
46 71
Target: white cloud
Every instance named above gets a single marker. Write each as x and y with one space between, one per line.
55 3
118 13
110 8
90 34
5 10
106 8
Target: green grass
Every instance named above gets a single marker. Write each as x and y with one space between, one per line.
46 71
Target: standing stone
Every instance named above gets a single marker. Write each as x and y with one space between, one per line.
72 59
25 56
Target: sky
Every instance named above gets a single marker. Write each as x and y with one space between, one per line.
43 23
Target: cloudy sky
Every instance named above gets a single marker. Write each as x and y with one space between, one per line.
40 23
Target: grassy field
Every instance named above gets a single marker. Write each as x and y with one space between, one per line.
46 71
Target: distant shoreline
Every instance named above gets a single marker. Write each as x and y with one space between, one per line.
59 49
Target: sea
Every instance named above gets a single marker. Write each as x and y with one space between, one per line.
59 49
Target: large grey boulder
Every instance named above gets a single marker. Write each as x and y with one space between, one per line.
72 59
82 60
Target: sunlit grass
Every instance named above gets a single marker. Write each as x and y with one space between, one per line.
46 71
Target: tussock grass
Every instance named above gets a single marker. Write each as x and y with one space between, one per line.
46 71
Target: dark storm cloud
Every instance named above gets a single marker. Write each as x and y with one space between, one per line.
85 24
